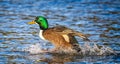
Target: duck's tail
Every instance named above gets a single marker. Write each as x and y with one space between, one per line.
76 33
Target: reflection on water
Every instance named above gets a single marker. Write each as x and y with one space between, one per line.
98 19
67 59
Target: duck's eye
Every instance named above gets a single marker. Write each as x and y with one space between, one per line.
40 20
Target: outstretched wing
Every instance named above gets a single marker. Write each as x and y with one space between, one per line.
64 30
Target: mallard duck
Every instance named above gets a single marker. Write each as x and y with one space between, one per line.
61 37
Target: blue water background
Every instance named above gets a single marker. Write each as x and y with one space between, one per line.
98 19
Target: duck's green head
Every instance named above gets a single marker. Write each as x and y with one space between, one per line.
41 21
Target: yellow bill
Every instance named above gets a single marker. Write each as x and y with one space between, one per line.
32 22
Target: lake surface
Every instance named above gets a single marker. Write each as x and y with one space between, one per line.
99 20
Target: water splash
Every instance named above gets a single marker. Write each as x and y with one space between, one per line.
86 49
34 49
95 49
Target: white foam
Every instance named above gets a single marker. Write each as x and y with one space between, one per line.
86 49
34 49
95 49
